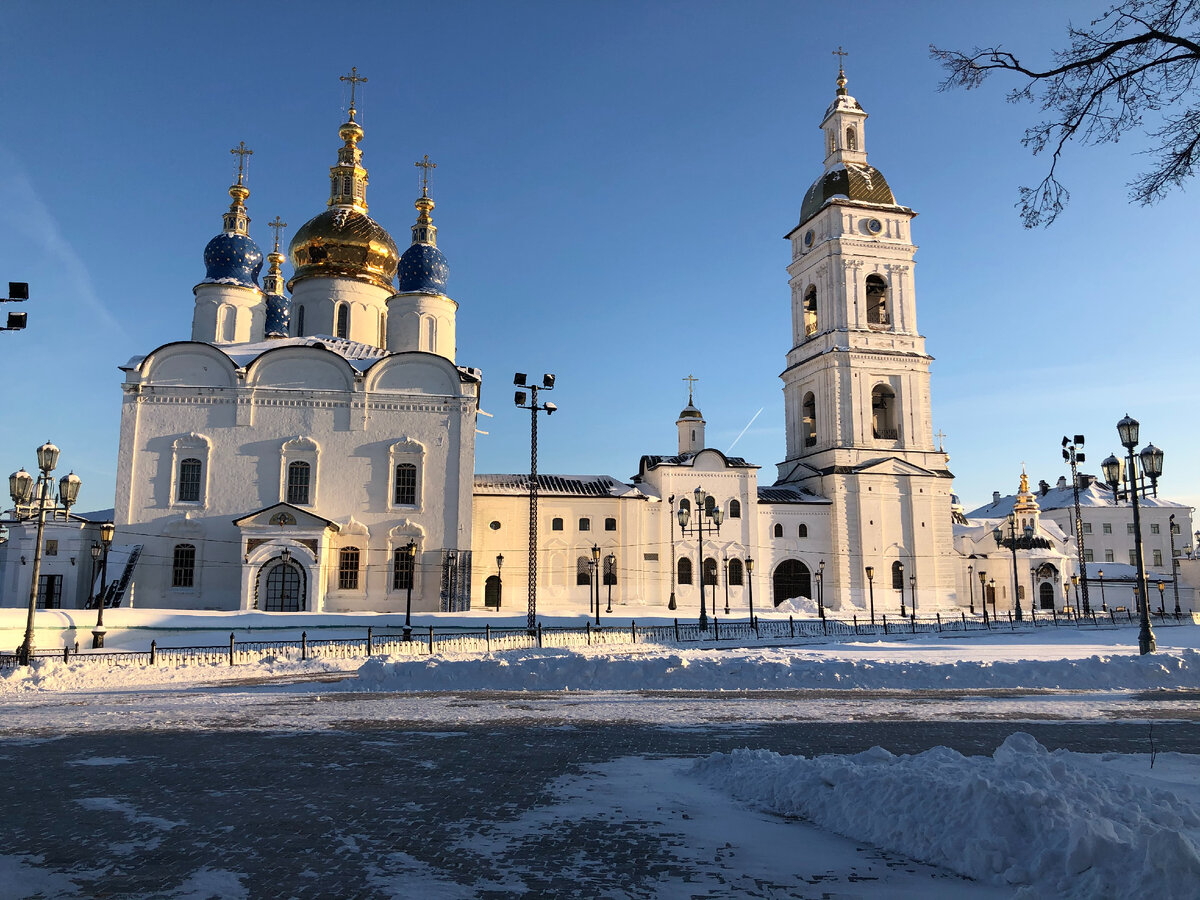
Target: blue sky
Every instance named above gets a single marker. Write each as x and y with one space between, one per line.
614 181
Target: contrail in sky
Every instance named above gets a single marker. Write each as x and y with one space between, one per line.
747 428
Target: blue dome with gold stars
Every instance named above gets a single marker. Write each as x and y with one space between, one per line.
423 270
232 258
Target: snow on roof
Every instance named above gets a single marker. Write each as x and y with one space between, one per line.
686 459
562 485
788 494
1094 494
354 352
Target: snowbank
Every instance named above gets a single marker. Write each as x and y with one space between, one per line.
1055 824
658 668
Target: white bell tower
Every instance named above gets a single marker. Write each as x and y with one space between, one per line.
856 383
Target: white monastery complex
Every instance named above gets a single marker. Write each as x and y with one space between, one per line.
343 428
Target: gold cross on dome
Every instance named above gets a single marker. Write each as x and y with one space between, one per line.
941 436
425 165
839 52
355 79
278 225
241 151
691 380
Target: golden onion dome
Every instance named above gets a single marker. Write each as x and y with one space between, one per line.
343 241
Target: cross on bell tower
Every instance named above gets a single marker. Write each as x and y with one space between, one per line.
355 80
425 165
237 219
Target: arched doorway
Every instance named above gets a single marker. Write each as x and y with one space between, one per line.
792 579
491 592
1046 595
282 587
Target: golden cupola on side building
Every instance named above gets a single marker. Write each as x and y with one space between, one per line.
344 241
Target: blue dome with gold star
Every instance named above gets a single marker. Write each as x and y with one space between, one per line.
423 270
232 258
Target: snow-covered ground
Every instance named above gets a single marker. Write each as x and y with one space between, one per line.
1023 820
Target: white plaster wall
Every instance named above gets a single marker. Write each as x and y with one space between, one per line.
425 322
320 298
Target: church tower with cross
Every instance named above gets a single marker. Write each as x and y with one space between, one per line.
856 382
229 304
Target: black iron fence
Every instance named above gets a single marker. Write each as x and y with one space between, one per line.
391 641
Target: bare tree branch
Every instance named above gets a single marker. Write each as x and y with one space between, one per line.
1140 58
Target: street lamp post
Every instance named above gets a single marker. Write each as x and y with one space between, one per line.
971 585
1033 591
1161 606
992 587
610 563
499 581
821 588
21 489
107 530
672 604
1012 540
410 553
596 578
1075 584
534 408
750 584
703 512
1174 563
726 561
871 589
1151 463
1103 600
1073 454
902 612
983 595
912 594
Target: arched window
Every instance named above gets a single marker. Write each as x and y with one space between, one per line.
883 413
583 571
298 482
348 569
685 571
189 481
710 503
877 308
610 524
556 524
851 138
343 321
685 503
228 324
183 566
830 142
735 572
406 485
810 311
808 413
1046 593
735 509
897 576
402 569
778 530
299 321
428 336
802 531
710 571
610 569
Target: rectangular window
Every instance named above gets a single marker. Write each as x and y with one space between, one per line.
585 524
650 557
1087 556
402 570
1177 553
348 569
1154 528
1133 557
1174 528
1108 556
51 548
556 524
49 591
297 483
1087 527
406 485
183 566
189 481
1157 557
1106 527
1129 528
610 524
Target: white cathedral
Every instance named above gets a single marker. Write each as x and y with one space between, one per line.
342 429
